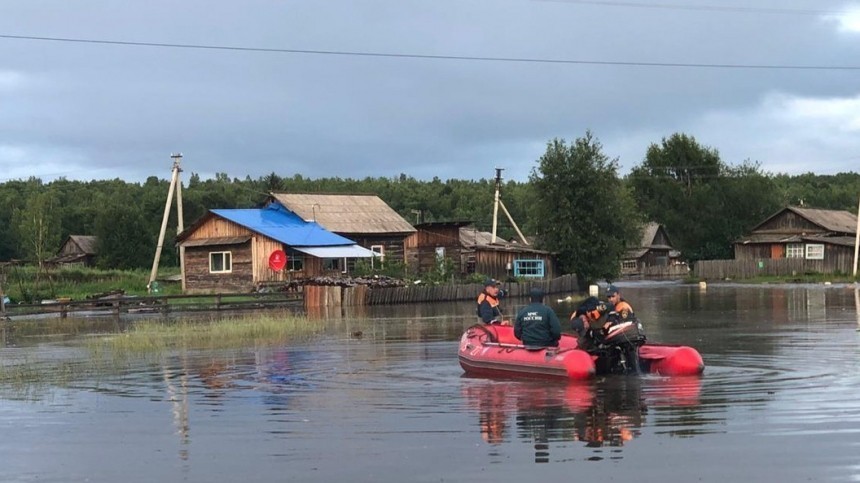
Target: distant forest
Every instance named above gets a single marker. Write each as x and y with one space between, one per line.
703 211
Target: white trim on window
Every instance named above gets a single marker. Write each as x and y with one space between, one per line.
794 250
220 262
815 251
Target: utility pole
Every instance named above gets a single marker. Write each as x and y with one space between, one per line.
497 204
857 240
175 185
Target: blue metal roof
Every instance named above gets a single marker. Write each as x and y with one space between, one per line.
284 226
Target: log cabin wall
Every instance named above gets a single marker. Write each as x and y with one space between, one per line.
392 244
199 279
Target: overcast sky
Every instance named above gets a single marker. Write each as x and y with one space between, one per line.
632 71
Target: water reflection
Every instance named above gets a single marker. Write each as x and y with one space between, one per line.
607 413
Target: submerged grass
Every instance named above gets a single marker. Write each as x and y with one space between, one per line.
156 337
111 352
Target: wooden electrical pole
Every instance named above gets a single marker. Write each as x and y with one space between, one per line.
857 240
497 204
175 185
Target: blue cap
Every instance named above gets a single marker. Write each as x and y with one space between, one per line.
611 290
491 281
536 294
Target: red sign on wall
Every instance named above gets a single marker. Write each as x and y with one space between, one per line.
277 260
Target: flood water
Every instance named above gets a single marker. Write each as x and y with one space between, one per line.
380 397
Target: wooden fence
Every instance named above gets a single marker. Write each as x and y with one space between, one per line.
164 305
438 293
778 267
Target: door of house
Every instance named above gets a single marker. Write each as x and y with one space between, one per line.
777 251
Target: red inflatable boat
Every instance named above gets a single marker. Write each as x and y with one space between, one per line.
493 350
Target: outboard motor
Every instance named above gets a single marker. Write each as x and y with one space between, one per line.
617 349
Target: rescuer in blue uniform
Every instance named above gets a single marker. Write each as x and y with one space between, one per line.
537 325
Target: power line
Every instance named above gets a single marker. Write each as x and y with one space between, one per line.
706 8
529 60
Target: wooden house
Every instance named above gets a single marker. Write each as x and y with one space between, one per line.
366 219
230 250
77 250
653 256
503 259
433 242
824 239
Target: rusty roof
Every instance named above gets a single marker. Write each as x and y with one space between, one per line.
354 214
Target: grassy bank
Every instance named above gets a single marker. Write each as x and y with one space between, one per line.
30 285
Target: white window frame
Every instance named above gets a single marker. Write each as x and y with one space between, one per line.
815 251
529 268
226 262
379 250
794 250
629 264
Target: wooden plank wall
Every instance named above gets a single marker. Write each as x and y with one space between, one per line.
780 267
199 280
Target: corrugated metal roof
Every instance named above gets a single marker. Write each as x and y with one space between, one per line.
281 225
838 221
352 251
362 214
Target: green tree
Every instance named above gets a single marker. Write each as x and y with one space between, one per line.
581 209
124 240
38 225
704 203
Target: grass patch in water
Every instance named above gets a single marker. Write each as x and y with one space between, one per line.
256 331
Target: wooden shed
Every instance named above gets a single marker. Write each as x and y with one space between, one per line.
824 238
78 250
502 259
654 256
364 218
432 242
229 250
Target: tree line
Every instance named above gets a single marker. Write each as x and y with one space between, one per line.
574 203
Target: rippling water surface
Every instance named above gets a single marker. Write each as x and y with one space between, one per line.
380 397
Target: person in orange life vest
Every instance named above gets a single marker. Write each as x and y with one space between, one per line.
623 309
589 312
488 303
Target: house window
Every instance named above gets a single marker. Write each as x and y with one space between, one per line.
528 268
794 250
331 264
814 251
295 261
629 265
220 262
379 253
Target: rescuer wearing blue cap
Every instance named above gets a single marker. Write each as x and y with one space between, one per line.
621 306
537 325
488 303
